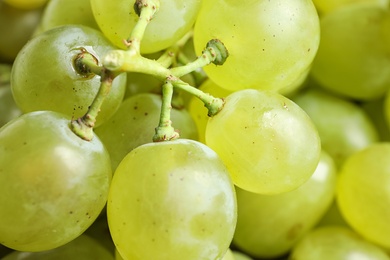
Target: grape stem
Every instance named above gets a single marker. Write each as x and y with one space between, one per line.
146 9
164 130
83 126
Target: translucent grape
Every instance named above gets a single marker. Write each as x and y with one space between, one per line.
364 193
269 226
172 200
343 126
44 77
81 248
325 6
352 58
267 142
174 18
26 4
134 123
271 44
337 243
54 184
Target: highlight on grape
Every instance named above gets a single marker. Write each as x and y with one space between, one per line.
194 129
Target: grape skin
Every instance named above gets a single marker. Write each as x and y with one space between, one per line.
54 183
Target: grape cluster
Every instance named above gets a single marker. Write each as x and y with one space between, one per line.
190 129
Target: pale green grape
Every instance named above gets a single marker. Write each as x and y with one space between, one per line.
81 248
54 184
325 6
16 28
44 77
197 109
352 59
116 19
267 142
8 108
172 200
228 255
57 13
271 44
343 126
240 256
134 123
26 4
336 243
363 193
269 226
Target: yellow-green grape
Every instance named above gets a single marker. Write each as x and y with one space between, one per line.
100 232
336 243
326 6
271 44
44 75
117 255
81 248
352 58
54 184
228 255
240 256
26 4
386 109
8 108
377 112
173 20
16 27
134 123
363 193
56 13
269 226
267 142
343 126
197 109
172 201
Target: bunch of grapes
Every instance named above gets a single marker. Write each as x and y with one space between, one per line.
190 129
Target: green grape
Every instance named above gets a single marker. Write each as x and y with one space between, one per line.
8 108
26 4
336 243
352 58
267 142
100 232
134 123
172 200
56 13
173 20
363 193
44 76
269 226
379 115
81 248
343 126
326 6
228 255
118 256
333 217
197 109
386 110
271 44
16 27
54 184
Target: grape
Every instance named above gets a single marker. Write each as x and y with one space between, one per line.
56 13
271 43
376 110
134 123
174 18
197 109
26 4
8 108
44 78
267 142
336 243
386 109
240 256
172 200
228 255
352 58
333 217
326 6
364 193
17 27
344 127
269 226
54 184
81 248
